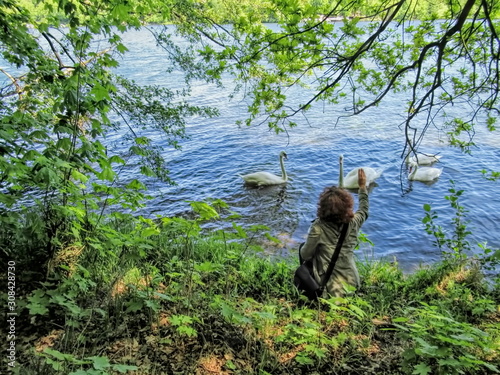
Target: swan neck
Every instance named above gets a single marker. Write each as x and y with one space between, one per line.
283 171
341 175
414 170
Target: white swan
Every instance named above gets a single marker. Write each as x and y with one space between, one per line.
350 181
266 178
422 159
424 174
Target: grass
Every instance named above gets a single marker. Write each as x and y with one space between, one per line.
217 304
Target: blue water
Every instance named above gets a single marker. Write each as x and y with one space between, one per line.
218 150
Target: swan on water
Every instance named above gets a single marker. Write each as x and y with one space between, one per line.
350 181
266 178
422 159
424 174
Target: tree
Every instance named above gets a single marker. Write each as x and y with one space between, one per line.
60 99
381 46
61 96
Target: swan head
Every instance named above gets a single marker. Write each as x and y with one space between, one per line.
341 159
413 165
283 155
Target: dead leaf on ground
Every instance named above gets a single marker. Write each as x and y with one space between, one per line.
48 341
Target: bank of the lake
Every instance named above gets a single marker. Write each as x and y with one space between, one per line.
179 301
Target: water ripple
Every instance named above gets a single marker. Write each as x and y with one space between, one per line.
218 151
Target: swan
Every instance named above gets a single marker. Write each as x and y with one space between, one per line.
424 174
423 159
350 181
266 178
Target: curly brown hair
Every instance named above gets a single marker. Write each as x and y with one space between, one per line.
335 205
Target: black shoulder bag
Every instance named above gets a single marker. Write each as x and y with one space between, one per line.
304 278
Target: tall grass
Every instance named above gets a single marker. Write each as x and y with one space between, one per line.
173 297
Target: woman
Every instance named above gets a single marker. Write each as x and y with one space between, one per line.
335 207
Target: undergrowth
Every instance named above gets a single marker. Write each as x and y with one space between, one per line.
167 296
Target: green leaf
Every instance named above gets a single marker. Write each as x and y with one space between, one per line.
124 368
106 174
56 365
425 347
100 363
266 315
422 369
78 176
206 267
464 337
355 310
449 362
120 11
46 175
150 231
493 368
63 357
239 229
57 354
227 311
178 320
38 303
304 359
205 211
495 255
121 48
100 93
146 171
136 185
134 306
163 296
64 143
188 331
152 304
116 159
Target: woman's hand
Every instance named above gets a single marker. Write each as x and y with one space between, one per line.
361 178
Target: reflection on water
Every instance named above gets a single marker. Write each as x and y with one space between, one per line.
210 163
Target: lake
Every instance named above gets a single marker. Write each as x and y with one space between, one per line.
218 151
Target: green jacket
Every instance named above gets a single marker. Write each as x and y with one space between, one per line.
320 245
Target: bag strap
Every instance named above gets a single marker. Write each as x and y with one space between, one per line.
335 256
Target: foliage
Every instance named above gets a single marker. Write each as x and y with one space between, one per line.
102 290
230 11
442 344
494 176
192 284
99 365
60 101
450 55
456 245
